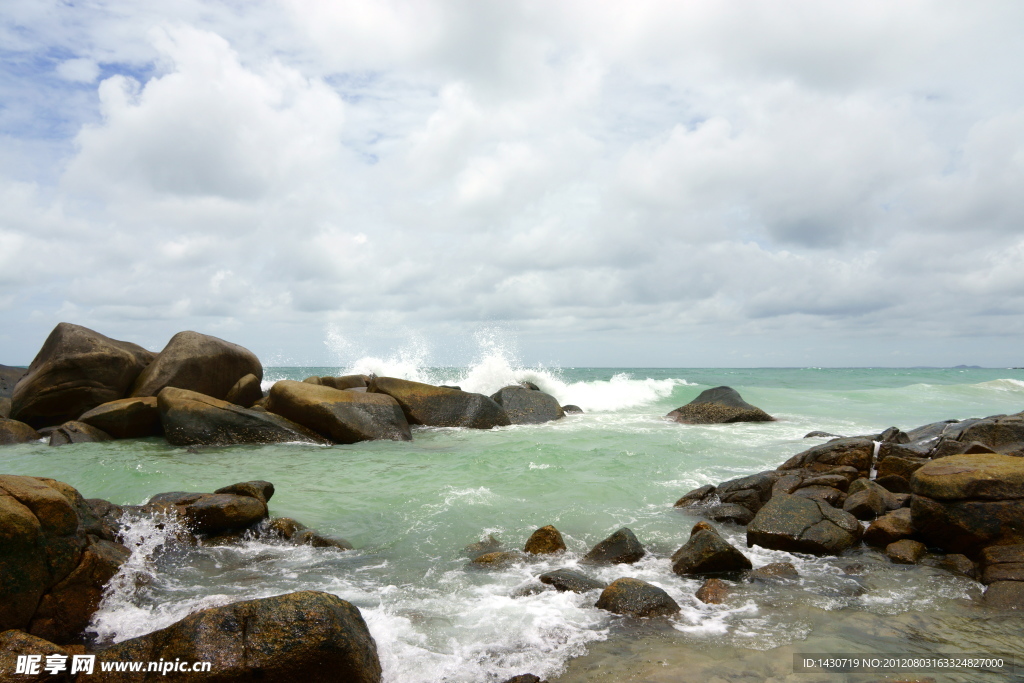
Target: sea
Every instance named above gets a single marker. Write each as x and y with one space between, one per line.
410 508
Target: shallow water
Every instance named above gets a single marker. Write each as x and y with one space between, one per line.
410 508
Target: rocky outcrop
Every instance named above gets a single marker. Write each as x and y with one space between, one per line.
706 552
341 416
527 406
245 392
126 418
193 419
210 513
622 547
545 541
424 404
13 431
76 370
718 406
802 525
963 503
77 432
308 636
636 598
856 452
200 363
570 580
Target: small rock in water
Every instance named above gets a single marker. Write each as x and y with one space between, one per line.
821 435
720 405
482 547
572 410
622 547
545 541
636 598
957 564
906 551
497 560
707 553
570 580
713 592
775 570
730 512
525 678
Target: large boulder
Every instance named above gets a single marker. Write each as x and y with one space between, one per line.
963 503
802 525
307 636
636 598
717 406
246 391
706 552
424 404
526 406
200 363
77 432
211 513
126 418
193 419
1002 434
856 452
622 547
12 432
76 370
9 377
341 416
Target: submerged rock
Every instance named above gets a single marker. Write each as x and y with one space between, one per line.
803 525
775 570
528 406
341 416
570 580
718 406
200 363
496 560
636 598
424 404
545 541
713 592
308 636
622 547
126 418
76 370
210 513
572 409
482 547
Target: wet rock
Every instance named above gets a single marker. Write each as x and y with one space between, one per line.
528 589
77 432
13 431
528 406
496 560
713 592
313 380
190 418
622 547
702 526
734 514
706 552
424 404
76 370
821 435
200 363
1002 563
903 467
697 496
963 503
835 481
720 405
345 382
636 598
308 636
825 494
482 547
775 570
14 643
245 392
906 551
751 491
313 538
1010 571
889 528
894 435
856 452
890 501
525 678
210 513
341 416
285 527
894 483
572 410
865 504
126 418
788 483
1001 434
1008 595
570 580
799 524
544 541
258 489
108 518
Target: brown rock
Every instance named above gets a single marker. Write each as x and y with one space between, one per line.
902 467
482 547
1008 595
569 580
622 547
341 416
706 552
865 504
126 418
245 392
526 406
200 363
775 570
496 560
695 497
713 592
894 483
826 494
798 524
424 404
12 432
906 551
889 528
983 476
1007 571
210 513
720 405
77 432
345 382
9 377
999 554
956 563
967 526
259 489
636 598
544 541
14 643
856 452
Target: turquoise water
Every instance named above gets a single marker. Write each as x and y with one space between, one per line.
410 508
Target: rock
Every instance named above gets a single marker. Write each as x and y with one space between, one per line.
702 526
903 467
107 516
821 435
77 432
12 432
424 404
835 481
14 643
1008 595
963 503
696 496
572 410
906 551
735 514
345 382
200 363
775 570
245 392
341 416
528 406
854 452
894 483
210 513
67 608
751 491
622 547
313 380
126 418
1002 434
894 435
495 560
5 408
890 501
261 490
190 418
285 527
544 541
525 678
76 370
9 377
1002 563
826 494
569 580
317 540
713 592
1001 554
309 635
482 547
706 552
803 525
865 504
719 406
1003 572
956 563
636 598
788 483
889 528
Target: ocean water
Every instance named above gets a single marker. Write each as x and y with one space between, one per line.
410 508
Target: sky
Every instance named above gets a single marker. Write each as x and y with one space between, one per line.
646 184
